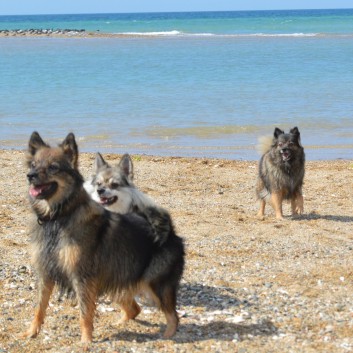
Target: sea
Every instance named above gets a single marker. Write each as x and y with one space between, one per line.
193 84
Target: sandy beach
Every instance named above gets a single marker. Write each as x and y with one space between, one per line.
250 285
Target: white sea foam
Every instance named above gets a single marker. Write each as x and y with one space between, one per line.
235 35
147 34
166 33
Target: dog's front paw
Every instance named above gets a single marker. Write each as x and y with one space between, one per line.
260 216
86 345
32 332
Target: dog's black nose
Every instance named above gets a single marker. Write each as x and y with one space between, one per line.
32 175
100 191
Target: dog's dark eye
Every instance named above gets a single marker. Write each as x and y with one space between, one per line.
98 183
114 185
53 168
290 143
280 144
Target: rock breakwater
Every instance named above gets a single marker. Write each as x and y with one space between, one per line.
42 32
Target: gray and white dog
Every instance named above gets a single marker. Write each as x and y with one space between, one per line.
113 188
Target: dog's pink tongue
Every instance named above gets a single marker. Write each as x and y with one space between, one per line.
34 191
103 200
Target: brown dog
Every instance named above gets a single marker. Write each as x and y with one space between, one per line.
281 173
85 249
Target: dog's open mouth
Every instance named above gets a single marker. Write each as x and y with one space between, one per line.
286 155
42 191
107 201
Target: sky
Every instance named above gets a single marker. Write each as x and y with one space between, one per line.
26 7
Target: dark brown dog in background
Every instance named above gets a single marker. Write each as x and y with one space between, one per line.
281 172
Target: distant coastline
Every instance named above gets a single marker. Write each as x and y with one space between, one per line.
72 33
82 33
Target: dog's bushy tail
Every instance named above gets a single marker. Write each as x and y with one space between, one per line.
264 144
161 223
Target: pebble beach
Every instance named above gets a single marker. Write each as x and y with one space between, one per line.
250 285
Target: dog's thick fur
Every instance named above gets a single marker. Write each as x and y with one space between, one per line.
281 172
82 247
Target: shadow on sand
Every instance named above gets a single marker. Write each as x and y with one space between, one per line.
188 333
211 298
315 216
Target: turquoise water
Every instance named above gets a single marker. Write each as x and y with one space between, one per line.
217 23
193 84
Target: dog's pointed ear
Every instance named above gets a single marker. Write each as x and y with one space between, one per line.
295 132
35 142
99 162
70 148
126 166
277 132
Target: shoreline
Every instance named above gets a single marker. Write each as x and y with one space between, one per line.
233 153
